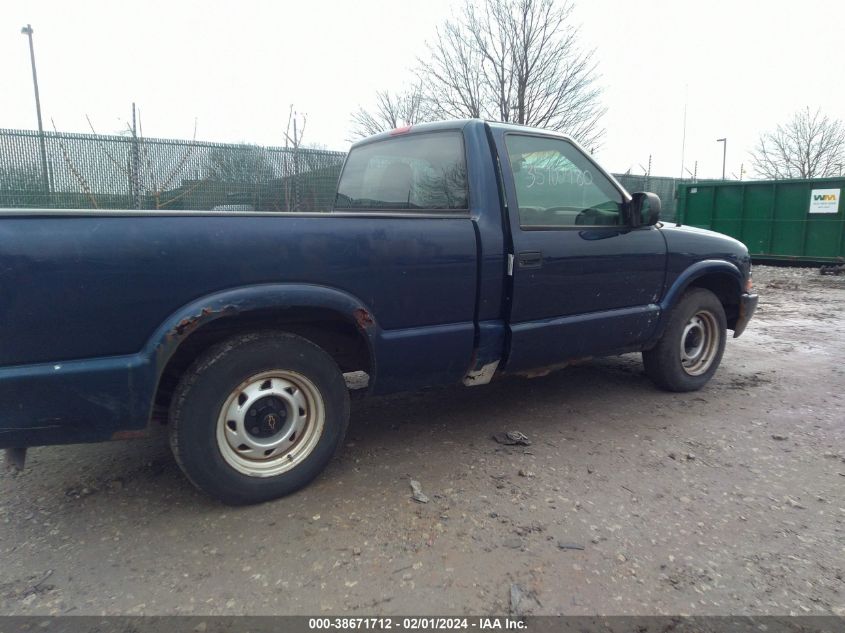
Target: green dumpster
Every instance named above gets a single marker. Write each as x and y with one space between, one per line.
792 220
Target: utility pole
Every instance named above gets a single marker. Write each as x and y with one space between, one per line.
27 30
295 166
724 142
684 136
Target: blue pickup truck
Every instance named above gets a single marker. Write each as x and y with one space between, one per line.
456 252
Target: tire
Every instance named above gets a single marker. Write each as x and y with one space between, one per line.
258 417
688 354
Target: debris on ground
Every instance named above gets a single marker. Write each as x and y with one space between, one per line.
520 600
562 545
500 481
688 456
417 494
38 587
516 600
512 438
780 438
526 473
795 504
78 492
534 526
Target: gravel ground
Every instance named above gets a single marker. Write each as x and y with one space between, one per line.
628 500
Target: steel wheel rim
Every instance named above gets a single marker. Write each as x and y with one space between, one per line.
699 343
270 423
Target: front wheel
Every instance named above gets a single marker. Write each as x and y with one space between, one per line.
688 354
258 417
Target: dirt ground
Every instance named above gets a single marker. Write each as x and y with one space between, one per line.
628 501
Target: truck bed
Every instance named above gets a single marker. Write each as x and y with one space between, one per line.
69 320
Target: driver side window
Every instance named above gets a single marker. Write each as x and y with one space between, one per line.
557 186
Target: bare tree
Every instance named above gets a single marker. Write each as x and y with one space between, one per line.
452 75
294 133
392 110
247 164
516 61
810 145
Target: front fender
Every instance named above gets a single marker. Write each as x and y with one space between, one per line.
696 271
683 281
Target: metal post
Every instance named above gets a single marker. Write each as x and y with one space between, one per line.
27 30
724 142
135 161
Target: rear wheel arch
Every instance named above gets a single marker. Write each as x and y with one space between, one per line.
339 335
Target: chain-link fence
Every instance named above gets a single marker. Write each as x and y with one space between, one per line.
87 171
92 171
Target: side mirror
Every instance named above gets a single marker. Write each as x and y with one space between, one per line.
645 209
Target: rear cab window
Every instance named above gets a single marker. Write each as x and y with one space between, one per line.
417 172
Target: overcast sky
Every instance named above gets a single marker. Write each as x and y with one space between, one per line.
235 67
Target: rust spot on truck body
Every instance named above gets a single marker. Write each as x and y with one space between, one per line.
188 324
363 318
539 372
130 435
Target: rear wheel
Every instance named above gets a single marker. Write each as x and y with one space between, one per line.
258 417
688 354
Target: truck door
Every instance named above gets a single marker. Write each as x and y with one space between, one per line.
585 282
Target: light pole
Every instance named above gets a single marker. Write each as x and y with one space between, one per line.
27 30
724 142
